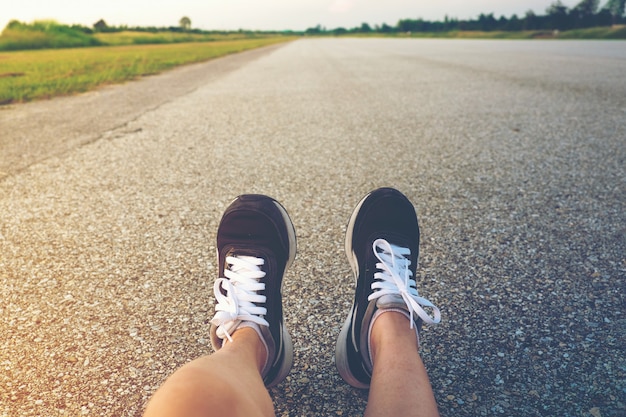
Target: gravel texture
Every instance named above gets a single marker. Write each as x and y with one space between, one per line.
514 154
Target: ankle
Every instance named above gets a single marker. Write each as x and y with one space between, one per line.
246 339
392 333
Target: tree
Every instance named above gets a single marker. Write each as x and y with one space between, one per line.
557 8
587 7
487 22
514 24
557 16
616 8
185 23
314 30
530 21
584 12
385 28
100 26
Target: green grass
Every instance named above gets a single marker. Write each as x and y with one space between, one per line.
40 74
618 32
144 38
436 35
43 35
46 34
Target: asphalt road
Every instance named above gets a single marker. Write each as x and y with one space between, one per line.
514 154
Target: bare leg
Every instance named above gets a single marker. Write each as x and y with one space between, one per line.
226 383
400 384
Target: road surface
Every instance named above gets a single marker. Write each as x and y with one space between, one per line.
513 152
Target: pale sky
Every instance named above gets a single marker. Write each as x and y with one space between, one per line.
260 14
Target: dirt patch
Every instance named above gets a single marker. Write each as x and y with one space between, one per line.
12 74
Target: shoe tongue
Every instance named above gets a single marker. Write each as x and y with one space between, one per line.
391 301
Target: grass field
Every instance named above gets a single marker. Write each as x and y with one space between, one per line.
30 75
143 38
616 32
474 34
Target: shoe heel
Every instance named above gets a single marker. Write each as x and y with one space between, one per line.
287 364
341 356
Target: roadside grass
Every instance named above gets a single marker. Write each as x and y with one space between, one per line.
46 34
143 38
615 32
41 74
43 34
456 34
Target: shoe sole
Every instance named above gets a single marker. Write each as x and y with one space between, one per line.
287 342
341 350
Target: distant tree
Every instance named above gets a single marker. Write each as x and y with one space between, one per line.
604 18
557 8
82 28
558 16
314 30
583 13
100 26
616 8
14 24
530 21
514 24
185 23
385 28
487 22
404 25
587 7
410 25
503 23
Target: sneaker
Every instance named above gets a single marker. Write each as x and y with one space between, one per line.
256 243
382 246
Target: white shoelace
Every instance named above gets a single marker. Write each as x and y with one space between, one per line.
239 304
395 277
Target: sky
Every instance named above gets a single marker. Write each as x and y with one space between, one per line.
260 14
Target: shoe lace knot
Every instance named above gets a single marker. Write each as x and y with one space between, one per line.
237 295
396 278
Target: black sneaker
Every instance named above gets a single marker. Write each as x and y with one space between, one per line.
256 243
382 245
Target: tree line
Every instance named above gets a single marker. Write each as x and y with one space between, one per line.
585 14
